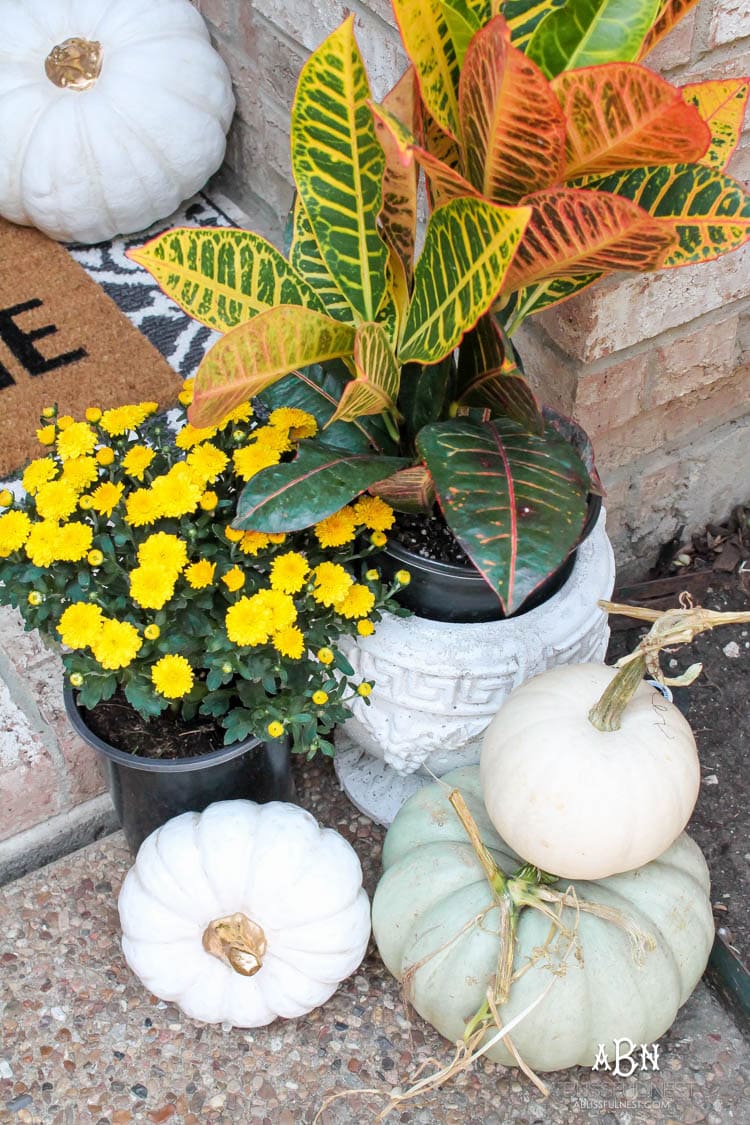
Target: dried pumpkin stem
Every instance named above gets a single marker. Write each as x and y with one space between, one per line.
495 877
238 942
606 715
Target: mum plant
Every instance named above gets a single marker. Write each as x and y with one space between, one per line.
122 550
552 157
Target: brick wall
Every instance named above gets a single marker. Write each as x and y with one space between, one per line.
656 368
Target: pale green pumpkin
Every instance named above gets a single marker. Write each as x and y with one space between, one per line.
622 978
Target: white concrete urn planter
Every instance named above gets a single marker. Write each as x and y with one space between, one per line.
438 684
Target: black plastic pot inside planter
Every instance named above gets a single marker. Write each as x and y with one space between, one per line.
147 792
445 592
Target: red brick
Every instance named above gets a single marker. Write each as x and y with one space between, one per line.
551 374
730 21
29 792
688 363
221 14
673 50
609 397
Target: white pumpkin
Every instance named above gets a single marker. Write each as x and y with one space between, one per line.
579 802
111 113
244 913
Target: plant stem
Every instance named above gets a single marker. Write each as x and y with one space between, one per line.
606 715
495 877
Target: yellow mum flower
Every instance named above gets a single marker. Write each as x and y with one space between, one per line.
80 473
365 628
37 473
95 558
80 624
14 531
76 679
185 398
208 501
34 597
151 587
364 690
357 603
242 413
372 575
163 550
122 419
46 436
320 698
250 459
191 435
233 534
137 460
275 729
378 539
105 455
288 572
374 513
172 676
93 414
49 412
332 583
56 500
74 541
77 440
141 508
253 542
336 529
277 537
176 492
116 645
297 422
41 545
289 642
403 577
251 621
152 632
234 579
200 574
206 462
106 497
6 498
64 421
325 656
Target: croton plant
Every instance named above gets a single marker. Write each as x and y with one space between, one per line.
552 156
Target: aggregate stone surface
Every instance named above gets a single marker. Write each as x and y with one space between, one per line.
82 1041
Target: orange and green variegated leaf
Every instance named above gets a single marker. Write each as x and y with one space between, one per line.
534 298
256 354
409 490
398 216
429 44
575 232
512 125
338 168
222 276
589 32
392 314
305 256
375 388
468 248
443 148
670 13
488 377
523 16
721 104
621 115
706 211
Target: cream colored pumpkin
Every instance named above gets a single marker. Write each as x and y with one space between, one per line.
579 802
110 132
244 913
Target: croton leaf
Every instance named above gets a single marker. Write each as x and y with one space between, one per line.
305 256
488 377
425 391
588 32
409 490
708 212
515 501
446 182
429 44
512 124
574 232
721 104
399 211
222 276
670 13
318 482
252 357
464 19
524 16
534 298
338 168
621 115
468 247
442 147
375 388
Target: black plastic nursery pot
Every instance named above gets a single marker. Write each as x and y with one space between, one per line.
446 592
147 792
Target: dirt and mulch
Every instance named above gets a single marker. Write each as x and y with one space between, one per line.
713 568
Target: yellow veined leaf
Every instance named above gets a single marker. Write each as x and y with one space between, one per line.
338 168
523 17
375 388
543 295
589 32
409 490
468 248
464 20
399 211
707 212
488 377
721 105
443 148
305 256
258 353
392 313
446 183
222 276
429 44
574 232
622 115
512 124
670 13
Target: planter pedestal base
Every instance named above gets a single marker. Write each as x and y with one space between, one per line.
371 785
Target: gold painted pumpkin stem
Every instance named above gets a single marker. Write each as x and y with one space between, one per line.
238 942
74 64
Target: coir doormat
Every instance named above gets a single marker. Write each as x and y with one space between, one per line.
62 340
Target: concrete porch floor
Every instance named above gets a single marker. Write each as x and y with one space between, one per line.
82 1041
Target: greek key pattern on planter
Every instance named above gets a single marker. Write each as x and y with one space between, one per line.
438 685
